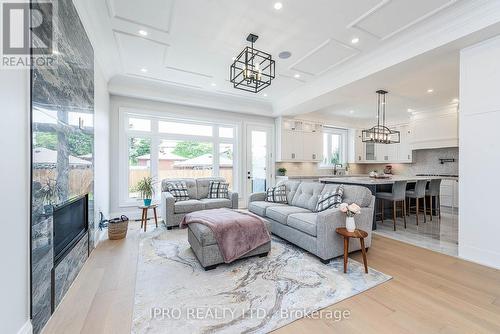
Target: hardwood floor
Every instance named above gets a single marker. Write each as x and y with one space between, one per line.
429 293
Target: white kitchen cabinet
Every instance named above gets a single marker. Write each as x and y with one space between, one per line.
292 145
312 146
437 132
298 140
449 193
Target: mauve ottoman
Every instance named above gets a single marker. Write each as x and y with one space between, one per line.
205 247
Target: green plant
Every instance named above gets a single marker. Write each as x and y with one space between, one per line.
282 171
146 187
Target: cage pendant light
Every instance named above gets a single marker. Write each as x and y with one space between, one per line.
252 70
380 133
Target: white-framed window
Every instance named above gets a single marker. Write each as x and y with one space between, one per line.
168 147
334 146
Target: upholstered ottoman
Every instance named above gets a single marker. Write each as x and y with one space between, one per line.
205 246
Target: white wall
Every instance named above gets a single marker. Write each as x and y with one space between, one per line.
15 203
101 146
479 120
172 110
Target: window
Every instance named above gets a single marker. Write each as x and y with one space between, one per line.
170 148
334 146
139 163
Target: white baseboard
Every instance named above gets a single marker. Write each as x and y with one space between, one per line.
27 328
480 256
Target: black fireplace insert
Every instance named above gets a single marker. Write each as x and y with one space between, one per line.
70 225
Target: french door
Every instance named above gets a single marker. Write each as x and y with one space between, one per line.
258 174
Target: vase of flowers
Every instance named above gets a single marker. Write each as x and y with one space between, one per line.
350 211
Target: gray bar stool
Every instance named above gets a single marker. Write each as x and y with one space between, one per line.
434 192
397 195
417 194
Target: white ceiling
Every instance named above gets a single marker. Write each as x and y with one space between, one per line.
190 43
407 83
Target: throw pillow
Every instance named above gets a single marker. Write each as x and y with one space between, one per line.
330 199
178 189
218 189
276 194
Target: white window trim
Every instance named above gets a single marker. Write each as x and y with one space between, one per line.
344 133
124 134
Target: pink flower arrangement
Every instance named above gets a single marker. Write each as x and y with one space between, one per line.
350 209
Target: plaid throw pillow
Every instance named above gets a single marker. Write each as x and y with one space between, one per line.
276 194
330 199
178 189
218 189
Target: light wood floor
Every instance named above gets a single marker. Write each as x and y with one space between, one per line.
429 293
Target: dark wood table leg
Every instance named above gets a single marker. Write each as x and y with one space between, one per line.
145 218
156 218
346 253
142 218
363 251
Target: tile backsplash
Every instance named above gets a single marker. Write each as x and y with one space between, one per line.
424 162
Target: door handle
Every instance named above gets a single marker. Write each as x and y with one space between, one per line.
293 155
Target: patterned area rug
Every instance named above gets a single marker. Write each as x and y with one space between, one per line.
254 295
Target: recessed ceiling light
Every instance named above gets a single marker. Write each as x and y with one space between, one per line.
278 5
410 110
265 94
430 90
144 70
143 32
296 75
351 111
455 100
355 40
213 84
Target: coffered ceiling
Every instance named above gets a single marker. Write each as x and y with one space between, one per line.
189 44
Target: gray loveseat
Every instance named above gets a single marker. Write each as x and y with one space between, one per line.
173 212
315 231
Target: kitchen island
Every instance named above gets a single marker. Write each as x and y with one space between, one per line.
376 185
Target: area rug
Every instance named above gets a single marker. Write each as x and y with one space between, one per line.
254 295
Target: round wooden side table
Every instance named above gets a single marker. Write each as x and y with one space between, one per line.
358 234
144 219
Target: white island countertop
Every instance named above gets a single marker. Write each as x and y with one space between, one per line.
373 181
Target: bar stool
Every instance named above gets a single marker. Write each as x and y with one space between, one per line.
417 194
397 195
434 192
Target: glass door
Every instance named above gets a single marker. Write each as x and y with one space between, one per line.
258 173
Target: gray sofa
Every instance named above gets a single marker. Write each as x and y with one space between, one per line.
315 231
173 212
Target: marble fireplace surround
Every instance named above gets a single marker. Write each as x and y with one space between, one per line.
62 163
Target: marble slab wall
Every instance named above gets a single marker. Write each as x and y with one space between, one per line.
62 104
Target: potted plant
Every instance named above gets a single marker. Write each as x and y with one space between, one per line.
350 211
281 171
146 188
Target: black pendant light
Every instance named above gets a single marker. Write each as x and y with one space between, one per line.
380 133
252 70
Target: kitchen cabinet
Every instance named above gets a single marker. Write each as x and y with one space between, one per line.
298 140
437 132
449 193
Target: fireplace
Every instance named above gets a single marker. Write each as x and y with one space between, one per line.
70 226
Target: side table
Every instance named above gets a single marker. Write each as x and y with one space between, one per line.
144 219
358 234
